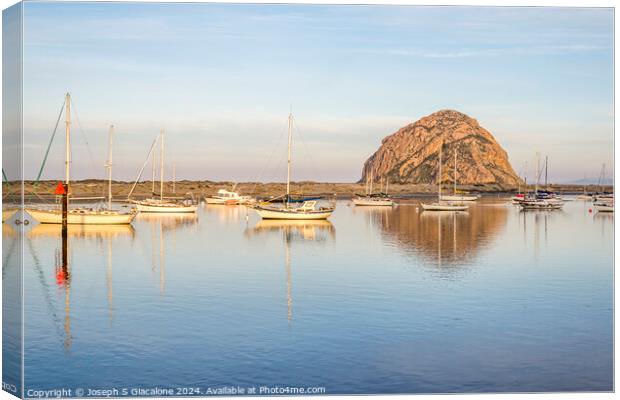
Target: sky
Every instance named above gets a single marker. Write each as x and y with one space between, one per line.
221 80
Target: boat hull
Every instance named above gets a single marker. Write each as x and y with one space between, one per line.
81 218
604 207
458 198
167 208
367 202
210 200
268 213
444 207
540 205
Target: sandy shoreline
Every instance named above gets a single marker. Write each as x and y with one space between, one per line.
197 189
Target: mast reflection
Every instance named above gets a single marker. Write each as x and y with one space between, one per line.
63 274
319 231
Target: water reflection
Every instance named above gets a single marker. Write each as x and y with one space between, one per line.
443 237
82 231
103 235
227 213
168 222
319 231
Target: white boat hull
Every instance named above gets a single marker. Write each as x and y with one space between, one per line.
211 200
82 217
368 202
541 205
165 208
444 207
604 207
292 214
458 198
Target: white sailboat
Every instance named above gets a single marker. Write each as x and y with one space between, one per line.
370 199
161 205
604 206
456 196
442 205
541 200
83 215
306 211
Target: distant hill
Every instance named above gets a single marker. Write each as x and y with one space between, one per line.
590 181
411 155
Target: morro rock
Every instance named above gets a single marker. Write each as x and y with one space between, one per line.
411 155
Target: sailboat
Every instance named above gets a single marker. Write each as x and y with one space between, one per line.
542 199
442 205
82 215
161 205
370 199
456 196
309 209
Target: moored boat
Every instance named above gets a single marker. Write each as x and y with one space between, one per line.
372 201
306 211
161 204
541 204
456 196
441 205
226 197
82 215
444 207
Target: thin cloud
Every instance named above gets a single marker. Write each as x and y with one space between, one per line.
493 52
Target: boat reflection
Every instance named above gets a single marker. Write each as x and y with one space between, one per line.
304 230
228 213
319 231
452 238
104 235
82 231
170 221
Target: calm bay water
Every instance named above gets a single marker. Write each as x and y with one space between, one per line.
373 301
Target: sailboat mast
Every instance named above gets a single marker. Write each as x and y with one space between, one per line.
109 166
455 171
154 165
439 179
67 137
174 177
161 168
288 166
537 172
546 170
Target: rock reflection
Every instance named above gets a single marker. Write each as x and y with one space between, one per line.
449 238
319 231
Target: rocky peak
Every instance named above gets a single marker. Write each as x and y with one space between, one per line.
411 154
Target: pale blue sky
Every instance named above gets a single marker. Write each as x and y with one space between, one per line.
221 79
